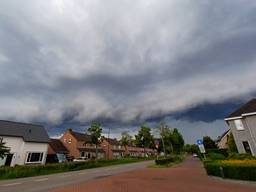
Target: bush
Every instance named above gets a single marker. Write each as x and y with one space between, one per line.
241 156
169 159
216 156
233 169
223 152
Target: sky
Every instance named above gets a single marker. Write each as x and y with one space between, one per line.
66 63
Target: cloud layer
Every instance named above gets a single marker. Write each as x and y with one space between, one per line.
83 60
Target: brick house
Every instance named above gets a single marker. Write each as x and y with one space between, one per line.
134 151
78 145
57 152
113 149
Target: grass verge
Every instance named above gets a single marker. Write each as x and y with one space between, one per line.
36 170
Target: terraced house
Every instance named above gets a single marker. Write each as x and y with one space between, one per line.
78 145
112 148
242 123
28 143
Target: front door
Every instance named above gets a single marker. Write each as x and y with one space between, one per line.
8 160
247 147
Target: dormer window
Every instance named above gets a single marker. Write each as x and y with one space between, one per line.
239 124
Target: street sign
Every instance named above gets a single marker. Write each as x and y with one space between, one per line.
200 144
201 148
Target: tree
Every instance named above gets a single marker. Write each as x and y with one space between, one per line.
165 134
191 149
231 143
3 150
144 138
126 139
95 131
177 141
209 143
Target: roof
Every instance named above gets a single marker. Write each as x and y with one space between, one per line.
249 107
80 136
112 141
57 146
223 135
29 132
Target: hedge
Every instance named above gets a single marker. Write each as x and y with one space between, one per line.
169 159
233 169
241 156
35 170
216 156
223 152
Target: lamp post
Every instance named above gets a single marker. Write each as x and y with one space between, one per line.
108 141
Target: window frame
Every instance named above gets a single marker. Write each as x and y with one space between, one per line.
239 124
29 156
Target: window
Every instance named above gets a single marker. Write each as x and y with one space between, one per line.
239 124
34 157
247 147
82 154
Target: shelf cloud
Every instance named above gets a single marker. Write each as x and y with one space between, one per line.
123 61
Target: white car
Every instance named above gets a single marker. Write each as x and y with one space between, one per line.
195 155
80 159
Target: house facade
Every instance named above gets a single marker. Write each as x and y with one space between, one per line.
134 151
222 141
28 143
57 152
113 149
78 145
242 123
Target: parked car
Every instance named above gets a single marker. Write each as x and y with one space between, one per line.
80 159
195 155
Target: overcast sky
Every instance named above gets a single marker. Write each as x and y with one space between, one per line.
125 62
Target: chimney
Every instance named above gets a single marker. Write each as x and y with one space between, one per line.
69 130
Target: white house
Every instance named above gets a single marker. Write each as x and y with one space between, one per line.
28 143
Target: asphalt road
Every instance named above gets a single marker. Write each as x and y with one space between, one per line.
47 182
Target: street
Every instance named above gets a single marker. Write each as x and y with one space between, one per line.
47 182
188 176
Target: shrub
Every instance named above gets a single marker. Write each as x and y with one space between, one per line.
241 156
169 159
216 156
223 152
233 169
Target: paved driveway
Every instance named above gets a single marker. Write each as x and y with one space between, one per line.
189 176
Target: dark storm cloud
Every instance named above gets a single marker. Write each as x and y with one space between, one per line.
71 62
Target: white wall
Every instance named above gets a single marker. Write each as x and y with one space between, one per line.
19 149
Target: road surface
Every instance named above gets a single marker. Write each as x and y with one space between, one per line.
47 182
189 176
